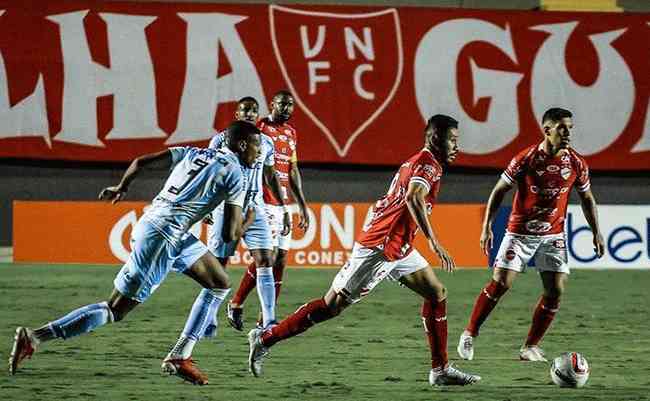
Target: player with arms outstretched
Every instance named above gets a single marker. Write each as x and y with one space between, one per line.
200 180
385 249
544 175
285 140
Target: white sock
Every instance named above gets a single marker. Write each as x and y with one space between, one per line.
183 348
266 294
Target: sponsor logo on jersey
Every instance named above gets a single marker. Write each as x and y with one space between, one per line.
283 137
552 168
537 226
548 192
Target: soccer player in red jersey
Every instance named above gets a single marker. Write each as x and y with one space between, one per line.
284 138
544 175
384 249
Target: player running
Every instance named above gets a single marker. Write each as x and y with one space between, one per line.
284 137
544 175
384 249
200 180
202 322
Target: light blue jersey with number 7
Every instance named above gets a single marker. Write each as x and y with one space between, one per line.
200 180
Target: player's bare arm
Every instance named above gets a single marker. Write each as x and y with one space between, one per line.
249 219
295 182
116 193
232 227
416 203
272 180
588 203
496 197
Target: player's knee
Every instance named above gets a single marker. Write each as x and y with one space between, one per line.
554 293
117 314
440 292
280 259
502 284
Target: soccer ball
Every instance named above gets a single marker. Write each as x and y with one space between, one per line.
570 370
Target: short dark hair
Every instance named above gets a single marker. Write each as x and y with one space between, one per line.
282 93
248 99
556 114
240 131
441 123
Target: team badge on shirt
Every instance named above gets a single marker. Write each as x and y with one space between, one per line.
565 172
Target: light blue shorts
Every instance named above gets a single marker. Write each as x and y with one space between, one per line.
152 257
258 235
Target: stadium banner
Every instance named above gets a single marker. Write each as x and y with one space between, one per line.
625 228
108 81
98 232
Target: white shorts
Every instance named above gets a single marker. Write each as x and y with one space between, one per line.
275 216
549 252
367 267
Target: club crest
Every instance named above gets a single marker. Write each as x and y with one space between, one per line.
565 172
330 51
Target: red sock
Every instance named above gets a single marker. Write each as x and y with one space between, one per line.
542 317
246 285
299 321
434 317
485 302
278 271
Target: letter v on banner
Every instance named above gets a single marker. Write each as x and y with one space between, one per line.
365 52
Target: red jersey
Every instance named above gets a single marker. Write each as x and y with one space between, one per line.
392 227
284 139
543 185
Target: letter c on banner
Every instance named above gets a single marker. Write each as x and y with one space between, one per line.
117 232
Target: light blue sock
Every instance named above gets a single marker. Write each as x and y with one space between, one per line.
82 320
266 294
202 321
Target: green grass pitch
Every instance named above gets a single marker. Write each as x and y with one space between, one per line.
375 351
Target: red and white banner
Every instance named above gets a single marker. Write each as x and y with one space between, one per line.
85 80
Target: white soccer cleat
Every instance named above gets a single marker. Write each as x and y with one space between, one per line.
451 376
466 346
532 353
257 352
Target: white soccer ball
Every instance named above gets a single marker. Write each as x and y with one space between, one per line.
570 370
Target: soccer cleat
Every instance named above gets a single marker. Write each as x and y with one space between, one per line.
23 348
532 353
235 317
466 346
451 376
185 369
257 352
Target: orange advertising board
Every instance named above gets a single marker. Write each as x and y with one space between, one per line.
98 232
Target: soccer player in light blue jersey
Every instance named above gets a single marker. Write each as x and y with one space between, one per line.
200 180
257 229
202 320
